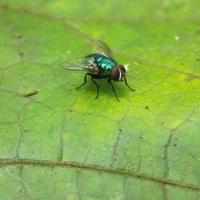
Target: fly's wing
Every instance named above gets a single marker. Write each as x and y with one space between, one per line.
102 48
77 65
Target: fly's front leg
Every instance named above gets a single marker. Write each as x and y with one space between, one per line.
126 83
85 80
110 82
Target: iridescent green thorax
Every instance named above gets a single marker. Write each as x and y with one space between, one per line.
103 62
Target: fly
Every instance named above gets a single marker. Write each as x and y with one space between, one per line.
101 66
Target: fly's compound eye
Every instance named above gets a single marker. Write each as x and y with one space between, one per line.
115 74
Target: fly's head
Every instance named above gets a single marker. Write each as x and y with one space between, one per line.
118 73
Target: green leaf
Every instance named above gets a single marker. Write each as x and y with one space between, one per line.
60 143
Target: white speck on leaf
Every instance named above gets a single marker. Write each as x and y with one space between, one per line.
176 37
136 63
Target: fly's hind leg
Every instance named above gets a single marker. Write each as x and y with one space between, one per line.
85 80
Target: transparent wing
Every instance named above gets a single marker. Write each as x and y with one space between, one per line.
77 65
102 48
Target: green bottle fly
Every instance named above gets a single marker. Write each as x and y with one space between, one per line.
101 66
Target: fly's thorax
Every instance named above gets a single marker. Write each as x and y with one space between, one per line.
105 63
118 73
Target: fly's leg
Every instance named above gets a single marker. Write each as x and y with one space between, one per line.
97 86
85 80
110 82
126 83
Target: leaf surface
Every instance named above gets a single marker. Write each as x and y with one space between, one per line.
60 143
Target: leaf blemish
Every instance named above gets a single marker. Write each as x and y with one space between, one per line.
17 36
29 94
